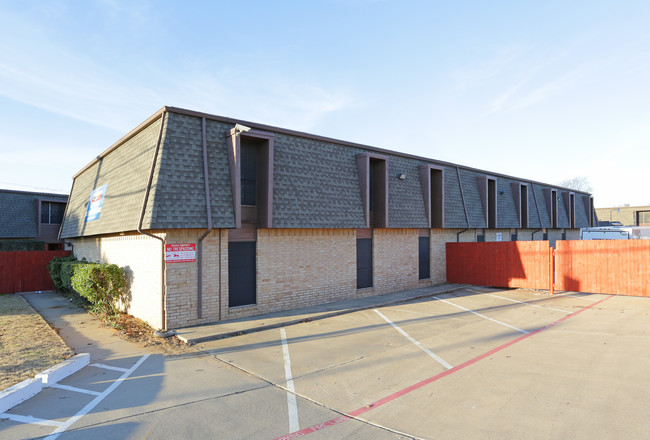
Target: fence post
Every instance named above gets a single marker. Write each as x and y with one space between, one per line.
551 269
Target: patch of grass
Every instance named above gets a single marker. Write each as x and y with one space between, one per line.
28 345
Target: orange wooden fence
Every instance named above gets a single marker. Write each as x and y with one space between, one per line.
502 264
26 271
620 267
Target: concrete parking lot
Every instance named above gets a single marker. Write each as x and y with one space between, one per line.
477 363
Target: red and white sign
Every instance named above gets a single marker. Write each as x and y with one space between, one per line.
180 253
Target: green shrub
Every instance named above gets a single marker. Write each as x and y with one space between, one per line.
101 284
54 267
66 273
21 245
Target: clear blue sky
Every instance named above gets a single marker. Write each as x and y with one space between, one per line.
540 90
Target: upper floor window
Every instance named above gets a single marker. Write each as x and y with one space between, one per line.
250 158
551 205
248 173
520 195
488 191
432 183
373 183
52 213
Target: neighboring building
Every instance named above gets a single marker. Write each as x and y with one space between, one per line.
214 220
30 220
624 216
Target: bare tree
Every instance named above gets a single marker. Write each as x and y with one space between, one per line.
578 183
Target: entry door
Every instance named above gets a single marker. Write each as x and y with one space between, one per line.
241 273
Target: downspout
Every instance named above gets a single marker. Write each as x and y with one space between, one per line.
162 240
219 275
539 216
208 208
462 197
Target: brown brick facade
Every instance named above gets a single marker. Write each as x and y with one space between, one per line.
294 268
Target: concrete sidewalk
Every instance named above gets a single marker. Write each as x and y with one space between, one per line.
80 330
235 327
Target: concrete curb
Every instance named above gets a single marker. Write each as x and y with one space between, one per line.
64 369
18 393
197 340
26 389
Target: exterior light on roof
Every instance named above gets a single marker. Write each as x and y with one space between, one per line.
401 176
239 128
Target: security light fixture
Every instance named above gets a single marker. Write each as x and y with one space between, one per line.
401 176
239 128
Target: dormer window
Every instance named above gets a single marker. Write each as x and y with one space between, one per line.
373 184
488 189
250 156
432 183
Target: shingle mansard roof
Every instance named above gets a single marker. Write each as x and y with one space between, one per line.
19 212
315 183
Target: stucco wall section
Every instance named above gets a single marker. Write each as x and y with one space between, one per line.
573 234
395 260
140 256
302 267
182 279
491 234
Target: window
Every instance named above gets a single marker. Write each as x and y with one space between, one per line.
241 273
364 259
432 183
250 158
424 257
248 173
643 218
551 205
488 190
588 202
373 184
520 195
570 205
52 213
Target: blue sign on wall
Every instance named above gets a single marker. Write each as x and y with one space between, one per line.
95 204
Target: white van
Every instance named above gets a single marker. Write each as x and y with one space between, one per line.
615 233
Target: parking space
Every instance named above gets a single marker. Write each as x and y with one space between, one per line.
477 363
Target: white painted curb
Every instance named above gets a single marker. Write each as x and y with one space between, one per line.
64 369
22 391
18 393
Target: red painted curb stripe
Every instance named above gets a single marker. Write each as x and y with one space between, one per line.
424 382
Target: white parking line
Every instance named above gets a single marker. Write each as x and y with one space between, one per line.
294 423
83 411
30 420
407 336
482 316
528 304
75 389
108 367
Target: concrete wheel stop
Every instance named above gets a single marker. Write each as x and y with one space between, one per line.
26 389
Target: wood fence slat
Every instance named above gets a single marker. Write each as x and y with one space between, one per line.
26 271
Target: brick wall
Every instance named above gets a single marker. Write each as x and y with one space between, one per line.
301 267
395 260
295 268
182 279
141 257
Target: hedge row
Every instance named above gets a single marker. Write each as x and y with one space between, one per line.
101 284
21 245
